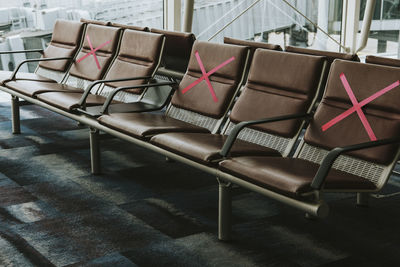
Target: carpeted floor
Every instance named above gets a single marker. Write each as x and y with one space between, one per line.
144 211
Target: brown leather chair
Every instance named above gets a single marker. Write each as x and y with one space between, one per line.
97 22
178 47
278 84
194 111
252 47
138 56
130 27
80 73
383 61
65 42
319 164
330 57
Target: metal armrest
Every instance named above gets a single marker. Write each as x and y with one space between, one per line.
114 93
36 60
82 101
330 158
241 125
21 51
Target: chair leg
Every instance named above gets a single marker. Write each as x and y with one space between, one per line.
362 199
95 151
224 211
169 160
16 128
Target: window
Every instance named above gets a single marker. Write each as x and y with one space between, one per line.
27 24
384 33
272 21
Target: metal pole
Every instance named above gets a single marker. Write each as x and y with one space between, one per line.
366 26
362 199
188 15
224 211
16 124
95 150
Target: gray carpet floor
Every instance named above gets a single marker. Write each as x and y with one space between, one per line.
144 211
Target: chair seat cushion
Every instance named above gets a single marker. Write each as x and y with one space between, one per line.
289 176
145 125
69 100
204 147
5 76
33 88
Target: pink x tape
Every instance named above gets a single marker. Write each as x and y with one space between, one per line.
357 106
93 51
206 75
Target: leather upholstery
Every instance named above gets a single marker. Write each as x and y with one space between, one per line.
69 101
289 176
98 35
65 42
177 49
32 88
279 83
97 22
383 113
138 56
5 76
224 81
330 56
145 125
204 148
252 45
130 27
383 61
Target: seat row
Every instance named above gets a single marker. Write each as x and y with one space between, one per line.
237 112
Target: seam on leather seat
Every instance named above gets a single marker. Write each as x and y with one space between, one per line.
278 87
276 93
192 76
368 110
135 61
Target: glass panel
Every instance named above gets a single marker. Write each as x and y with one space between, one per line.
271 21
384 34
27 24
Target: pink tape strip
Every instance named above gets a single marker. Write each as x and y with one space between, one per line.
357 106
93 51
206 75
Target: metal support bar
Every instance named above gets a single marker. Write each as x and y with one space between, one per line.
188 16
233 20
368 14
363 199
172 15
21 51
224 211
95 150
16 127
351 19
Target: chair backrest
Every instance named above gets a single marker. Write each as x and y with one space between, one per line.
97 22
86 70
278 84
130 27
65 42
382 114
139 55
383 61
177 50
330 57
197 105
252 45
252 48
